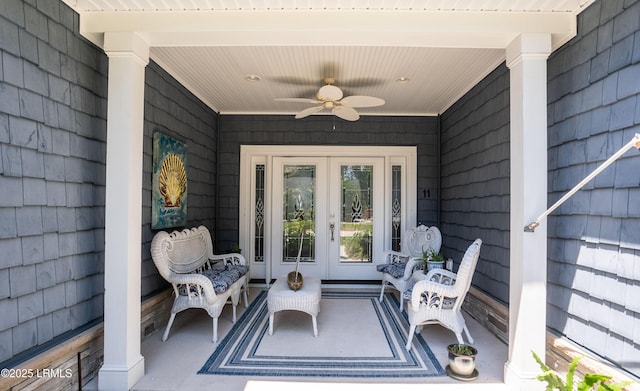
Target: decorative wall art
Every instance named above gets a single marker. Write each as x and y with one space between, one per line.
169 187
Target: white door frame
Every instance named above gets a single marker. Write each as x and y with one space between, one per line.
250 155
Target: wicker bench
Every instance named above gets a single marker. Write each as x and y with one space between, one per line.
199 278
307 299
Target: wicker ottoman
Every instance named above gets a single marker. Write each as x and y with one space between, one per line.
307 299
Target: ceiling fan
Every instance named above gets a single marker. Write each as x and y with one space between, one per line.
330 97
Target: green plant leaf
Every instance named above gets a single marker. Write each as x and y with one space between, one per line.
543 366
462 349
613 387
591 380
554 382
571 373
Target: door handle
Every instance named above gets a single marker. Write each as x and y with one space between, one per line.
332 227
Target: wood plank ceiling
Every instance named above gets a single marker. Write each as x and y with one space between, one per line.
419 56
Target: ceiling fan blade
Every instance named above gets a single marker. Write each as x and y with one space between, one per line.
346 113
362 101
309 111
330 93
298 100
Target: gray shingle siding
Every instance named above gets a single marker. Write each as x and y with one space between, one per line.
237 130
475 180
52 171
594 238
45 246
172 110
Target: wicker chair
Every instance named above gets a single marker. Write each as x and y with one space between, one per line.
399 266
199 278
438 297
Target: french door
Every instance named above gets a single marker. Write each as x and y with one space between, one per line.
329 213
337 208
298 199
356 217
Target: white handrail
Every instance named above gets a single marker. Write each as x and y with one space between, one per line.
635 142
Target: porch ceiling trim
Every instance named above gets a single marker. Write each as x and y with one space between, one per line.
454 29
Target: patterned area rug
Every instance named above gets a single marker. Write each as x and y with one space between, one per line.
358 337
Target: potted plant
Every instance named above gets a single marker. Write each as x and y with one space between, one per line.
462 361
434 260
589 382
235 249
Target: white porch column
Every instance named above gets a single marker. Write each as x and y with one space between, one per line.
527 60
123 364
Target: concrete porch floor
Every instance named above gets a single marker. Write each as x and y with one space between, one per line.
173 365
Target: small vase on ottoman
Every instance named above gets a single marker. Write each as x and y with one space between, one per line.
294 279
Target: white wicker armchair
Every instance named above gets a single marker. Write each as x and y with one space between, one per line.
200 279
438 297
399 266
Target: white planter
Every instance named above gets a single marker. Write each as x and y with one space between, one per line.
462 364
434 265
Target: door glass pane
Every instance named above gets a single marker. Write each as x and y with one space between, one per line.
396 207
299 212
258 240
356 220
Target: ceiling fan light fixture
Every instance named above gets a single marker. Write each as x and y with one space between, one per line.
329 92
252 78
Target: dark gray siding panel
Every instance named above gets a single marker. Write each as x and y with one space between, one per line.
594 240
52 175
172 110
236 130
53 99
475 180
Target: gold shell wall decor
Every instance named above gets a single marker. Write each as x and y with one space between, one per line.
172 180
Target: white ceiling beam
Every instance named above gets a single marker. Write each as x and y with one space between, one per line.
342 28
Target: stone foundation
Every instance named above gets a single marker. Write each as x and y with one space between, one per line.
493 315
79 359
59 368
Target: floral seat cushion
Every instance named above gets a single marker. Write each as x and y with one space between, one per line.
394 269
222 277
